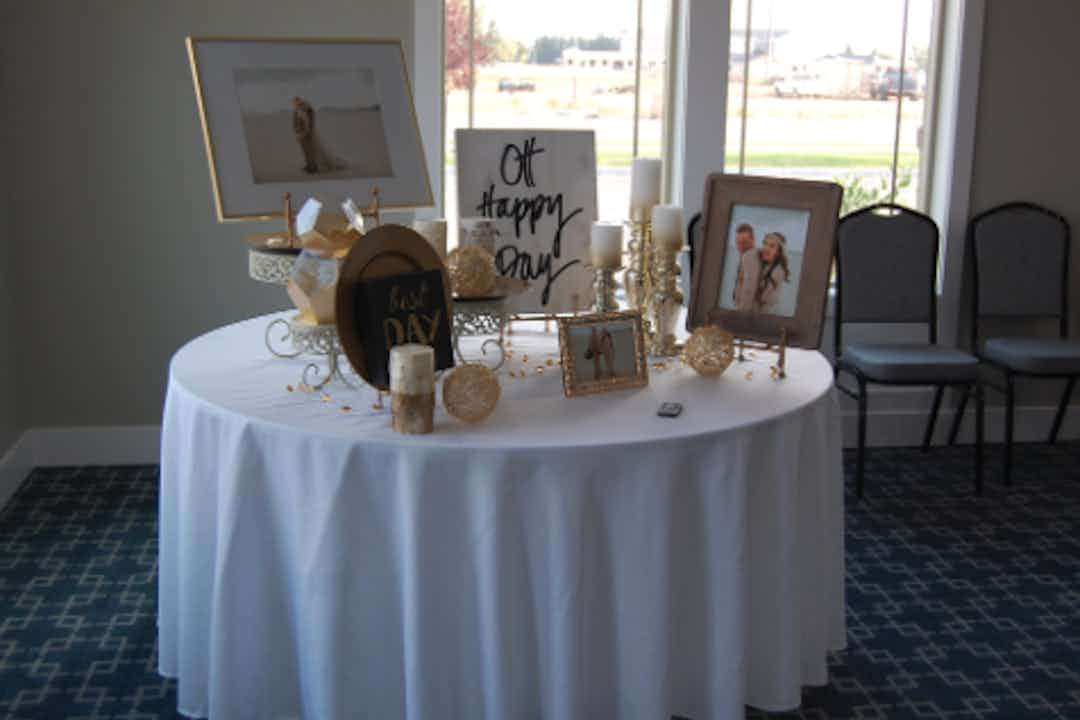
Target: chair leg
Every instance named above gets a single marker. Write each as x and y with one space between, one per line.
928 436
980 417
1061 409
959 417
1010 402
860 453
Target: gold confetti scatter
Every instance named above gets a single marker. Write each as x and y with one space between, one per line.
539 371
550 362
325 397
750 375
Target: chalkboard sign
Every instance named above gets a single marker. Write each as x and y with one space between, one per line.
400 309
539 188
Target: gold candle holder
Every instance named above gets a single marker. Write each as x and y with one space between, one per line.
664 301
639 250
604 289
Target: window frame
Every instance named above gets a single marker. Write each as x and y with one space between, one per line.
671 48
699 42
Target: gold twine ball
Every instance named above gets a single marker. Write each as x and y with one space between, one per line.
709 350
471 393
472 271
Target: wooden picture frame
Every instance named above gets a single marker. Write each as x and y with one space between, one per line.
604 341
332 118
779 285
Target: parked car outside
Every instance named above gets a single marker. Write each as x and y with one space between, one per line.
886 84
801 85
508 85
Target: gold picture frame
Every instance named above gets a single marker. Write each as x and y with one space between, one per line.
409 184
581 343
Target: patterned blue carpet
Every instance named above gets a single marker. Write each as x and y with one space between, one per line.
958 607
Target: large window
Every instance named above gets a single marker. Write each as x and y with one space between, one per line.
834 89
583 65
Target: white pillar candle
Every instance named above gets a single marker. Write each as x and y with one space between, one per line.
667 226
645 183
434 231
605 244
412 369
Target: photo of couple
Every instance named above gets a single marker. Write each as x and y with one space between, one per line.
763 260
604 351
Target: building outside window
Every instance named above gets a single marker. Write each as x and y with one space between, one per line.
833 89
837 90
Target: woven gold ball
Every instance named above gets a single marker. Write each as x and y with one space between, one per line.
472 271
709 350
471 393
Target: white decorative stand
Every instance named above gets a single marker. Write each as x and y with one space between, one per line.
307 339
483 316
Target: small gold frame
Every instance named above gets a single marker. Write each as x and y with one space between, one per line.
572 387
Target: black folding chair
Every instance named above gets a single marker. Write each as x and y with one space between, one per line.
886 262
1021 261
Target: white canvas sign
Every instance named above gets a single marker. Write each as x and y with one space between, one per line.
539 188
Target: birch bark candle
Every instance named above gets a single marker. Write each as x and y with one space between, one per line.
412 388
667 227
644 184
605 245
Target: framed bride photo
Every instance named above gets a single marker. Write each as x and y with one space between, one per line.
329 118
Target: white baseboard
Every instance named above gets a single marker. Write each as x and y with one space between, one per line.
905 427
119 445
64 447
14 467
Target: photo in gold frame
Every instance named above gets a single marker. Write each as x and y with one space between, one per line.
602 352
332 118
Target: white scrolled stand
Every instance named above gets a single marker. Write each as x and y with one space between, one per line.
566 558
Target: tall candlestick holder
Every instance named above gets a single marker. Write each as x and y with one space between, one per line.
664 301
604 289
639 250
637 277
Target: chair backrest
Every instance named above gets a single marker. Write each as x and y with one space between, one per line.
1021 260
693 239
886 263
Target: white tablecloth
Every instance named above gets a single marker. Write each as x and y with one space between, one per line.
569 558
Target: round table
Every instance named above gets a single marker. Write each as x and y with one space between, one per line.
568 558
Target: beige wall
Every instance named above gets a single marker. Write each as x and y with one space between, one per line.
1027 142
120 260
10 427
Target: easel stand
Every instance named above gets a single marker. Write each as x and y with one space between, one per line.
780 369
